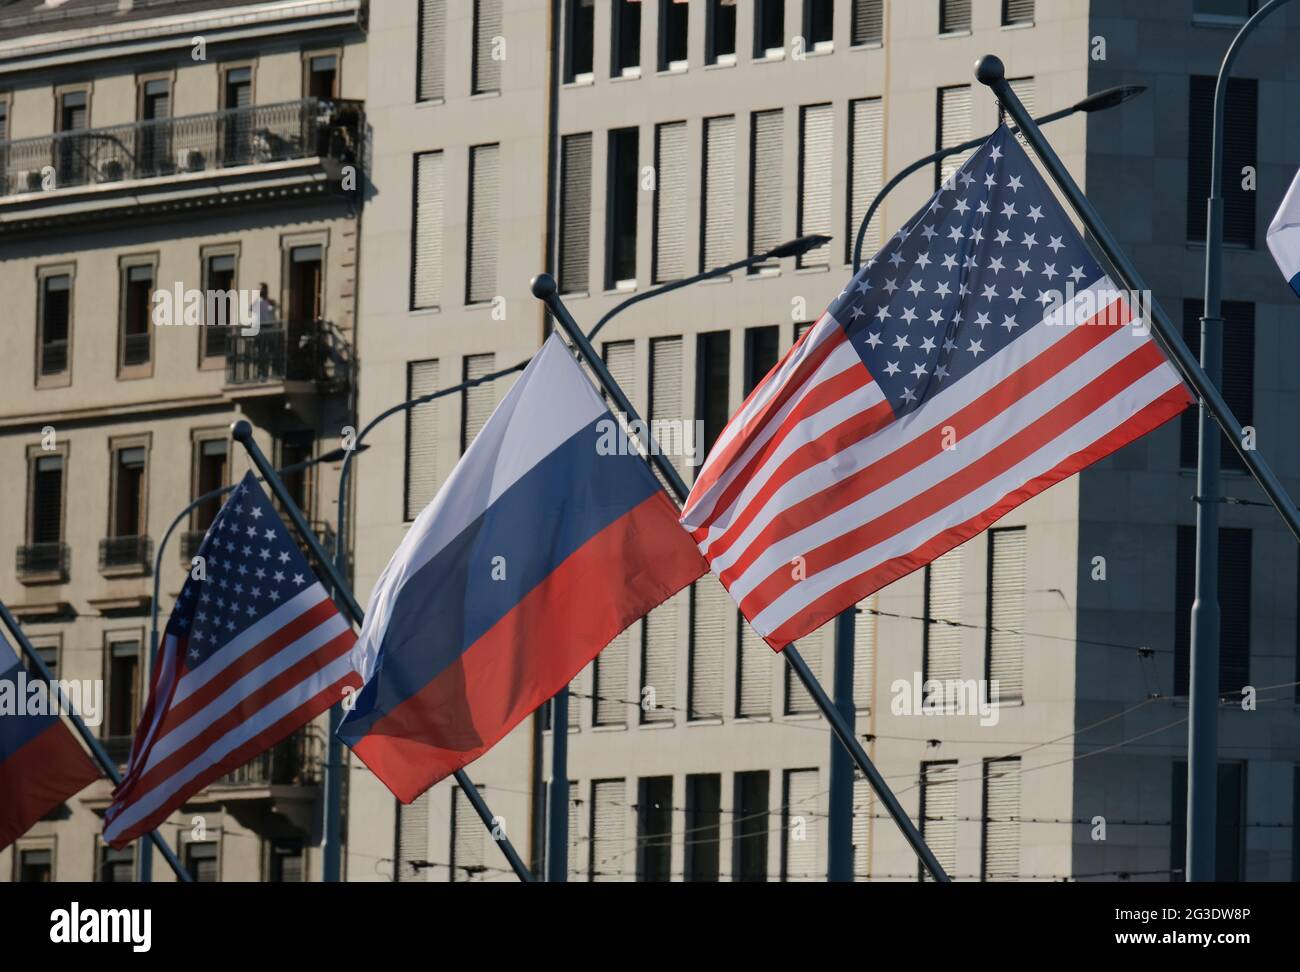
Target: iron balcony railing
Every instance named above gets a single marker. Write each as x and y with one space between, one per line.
296 761
284 352
167 147
120 552
43 559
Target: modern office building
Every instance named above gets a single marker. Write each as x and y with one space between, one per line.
193 149
623 144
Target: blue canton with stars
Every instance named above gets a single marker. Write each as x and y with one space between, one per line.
252 567
982 263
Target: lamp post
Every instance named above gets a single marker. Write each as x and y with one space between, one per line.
1203 666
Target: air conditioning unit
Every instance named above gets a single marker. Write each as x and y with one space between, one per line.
190 160
111 170
29 180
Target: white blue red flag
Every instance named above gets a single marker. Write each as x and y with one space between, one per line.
254 650
980 357
41 762
538 550
1284 235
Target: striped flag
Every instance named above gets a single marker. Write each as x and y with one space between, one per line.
254 650
1283 236
980 357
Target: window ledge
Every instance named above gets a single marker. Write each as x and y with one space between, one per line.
481 95
954 33
868 46
823 268
705 722
574 294
801 716
424 311
722 61
677 67
1027 26
725 278
610 728
43 578
627 74
623 287
581 81
754 718
429 102
767 273
669 724
773 56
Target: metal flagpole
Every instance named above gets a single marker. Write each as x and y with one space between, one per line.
545 289
96 749
242 432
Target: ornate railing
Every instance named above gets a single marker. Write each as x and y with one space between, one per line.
286 352
168 147
116 552
296 761
43 560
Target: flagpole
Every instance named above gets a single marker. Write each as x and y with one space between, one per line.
96 749
242 432
545 289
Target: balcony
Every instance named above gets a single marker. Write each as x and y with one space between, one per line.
191 540
280 353
125 555
188 161
296 761
43 563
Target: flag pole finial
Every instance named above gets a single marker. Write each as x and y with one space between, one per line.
242 431
989 69
544 286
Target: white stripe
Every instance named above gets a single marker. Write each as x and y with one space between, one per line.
165 677
945 464
145 804
1089 429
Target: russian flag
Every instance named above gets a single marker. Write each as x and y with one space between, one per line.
41 762
541 547
1284 236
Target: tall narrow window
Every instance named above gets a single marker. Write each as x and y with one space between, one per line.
620 359
654 829
749 826
1238 380
941 637
35 865
116 866
487 46
939 813
426 234
609 703
1240 126
672 176
863 805
864 655
769 29
1017 12
712 386
868 25
673 20
45 517
659 662
761 353
201 861
765 202
432 51
720 32
153 154
815 180
866 173
294 447
1230 823
56 323
484 192
575 213
579 37
620 267
128 492
321 77
123 690
236 127
608 806
718 222
626 60
211 473
954 16
668 400
72 149
421 437
819 25
800 860
814 649
703 826
285 860
1006 613
136 320
753 674
412 840
468 854
1235 553
710 611
221 308
1000 851
953 129
478 401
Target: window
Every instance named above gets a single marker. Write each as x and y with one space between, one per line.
864 654
1234 608
1229 830
703 826
413 840
720 32
286 861
609 683
55 315
713 371
607 820
814 649
954 16
487 35
1006 613
1000 850
294 448
939 813
620 267
72 153
800 860
753 674
749 826
426 232
305 272
765 202
201 862
1239 144
671 178
45 501
659 662
654 829
761 353
321 76
421 437
34 865
580 40
477 402
467 845
432 51
136 327
673 16
626 60
576 812
1238 381
116 866
484 183
711 609
819 25
128 488
221 308
863 808
868 24
718 220
236 129
1025 90
211 473
575 213
123 693
620 359
1016 12
953 129
153 152
815 180
1227 12
866 173
667 400
769 29
941 638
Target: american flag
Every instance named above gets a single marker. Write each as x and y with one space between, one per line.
254 650
980 357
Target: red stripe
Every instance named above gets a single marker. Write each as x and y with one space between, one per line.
1037 371
853 590
997 460
535 650
42 773
285 727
